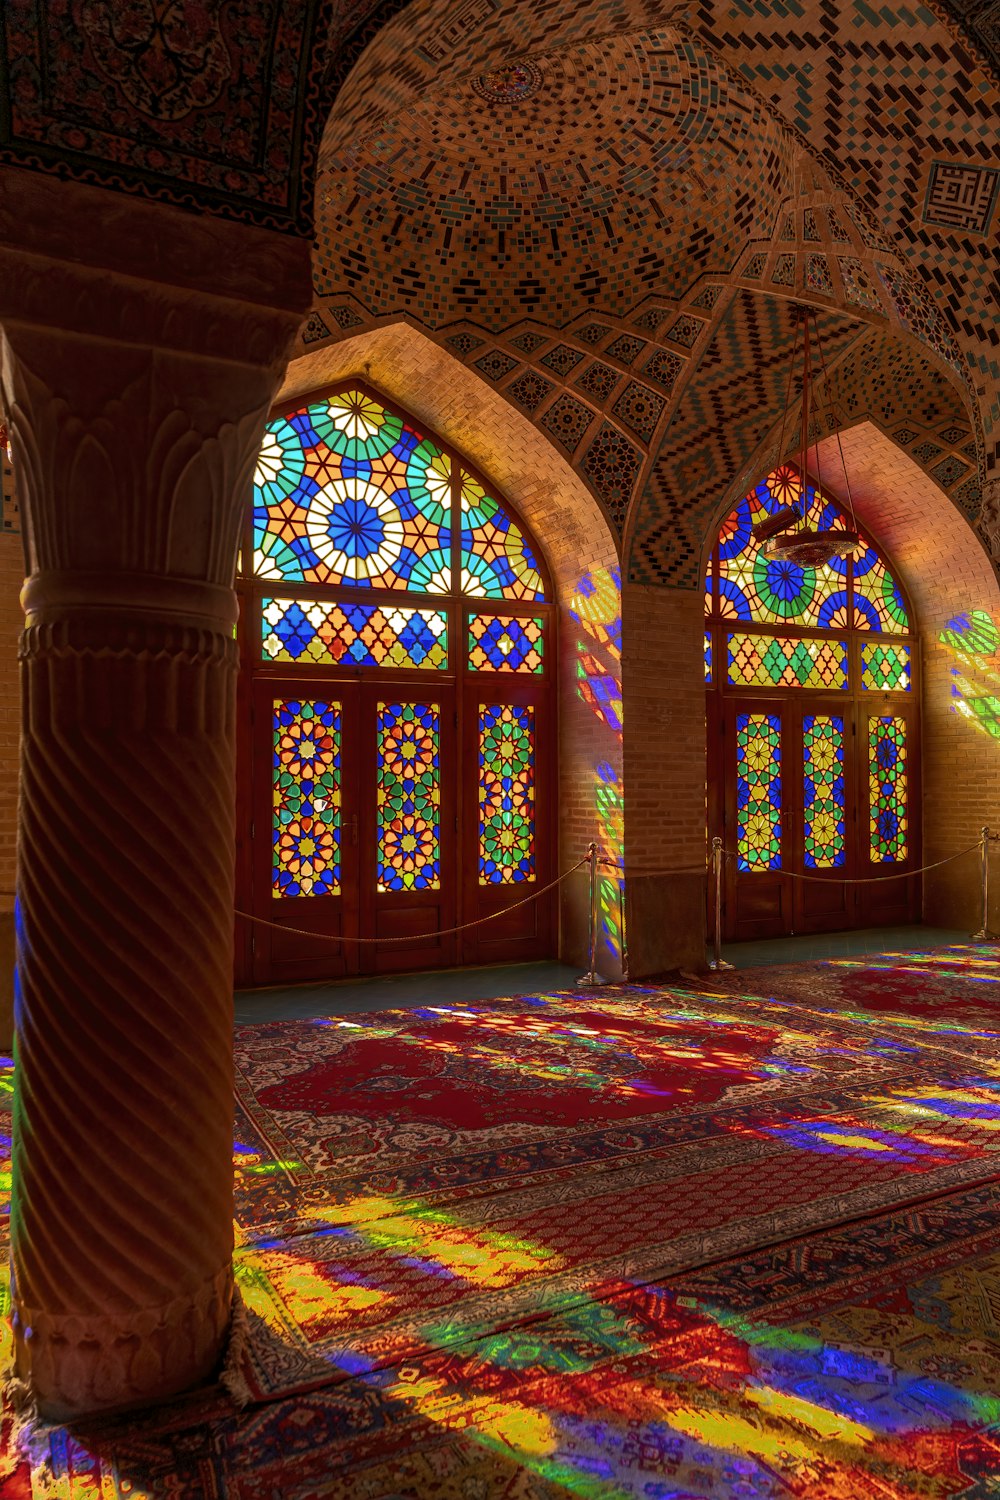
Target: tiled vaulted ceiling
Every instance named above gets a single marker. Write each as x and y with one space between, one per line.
614 168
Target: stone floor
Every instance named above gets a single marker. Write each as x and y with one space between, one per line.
350 996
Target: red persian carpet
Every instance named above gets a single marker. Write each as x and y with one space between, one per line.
740 1242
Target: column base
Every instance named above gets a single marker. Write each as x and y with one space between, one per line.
666 923
77 1365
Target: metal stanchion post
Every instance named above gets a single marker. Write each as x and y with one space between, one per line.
984 935
718 962
592 980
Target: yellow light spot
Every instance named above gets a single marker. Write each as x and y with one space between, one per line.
856 1142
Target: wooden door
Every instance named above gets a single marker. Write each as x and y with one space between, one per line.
819 796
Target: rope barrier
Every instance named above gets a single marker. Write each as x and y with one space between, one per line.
330 937
870 879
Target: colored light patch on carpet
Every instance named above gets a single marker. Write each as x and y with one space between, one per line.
650 1391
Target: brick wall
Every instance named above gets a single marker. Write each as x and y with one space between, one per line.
948 576
664 688
527 470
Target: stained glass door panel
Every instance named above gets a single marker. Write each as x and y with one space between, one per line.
888 777
755 746
822 814
409 807
509 791
304 838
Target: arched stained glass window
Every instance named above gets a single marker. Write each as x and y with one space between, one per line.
345 492
398 624
811 675
859 593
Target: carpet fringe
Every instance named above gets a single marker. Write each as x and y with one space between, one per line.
231 1377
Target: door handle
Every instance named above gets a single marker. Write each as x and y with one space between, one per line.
351 828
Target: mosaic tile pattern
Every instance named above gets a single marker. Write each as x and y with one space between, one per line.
315 329
567 420
716 429
612 465
961 196
528 342
592 333
496 364
345 317
639 408
784 271
858 285
512 211
626 349
464 343
650 320
529 390
663 368
562 359
598 380
818 275
685 330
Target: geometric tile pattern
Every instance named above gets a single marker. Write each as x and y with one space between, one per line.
598 380
612 465
715 431
529 390
567 420
640 408
508 209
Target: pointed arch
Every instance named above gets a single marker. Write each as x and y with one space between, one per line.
351 491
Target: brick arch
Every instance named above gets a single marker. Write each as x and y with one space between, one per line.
431 384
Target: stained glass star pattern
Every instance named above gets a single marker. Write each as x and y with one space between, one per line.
408 797
506 794
758 791
360 635
505 643
346 492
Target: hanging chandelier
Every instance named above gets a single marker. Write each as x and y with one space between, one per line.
786 533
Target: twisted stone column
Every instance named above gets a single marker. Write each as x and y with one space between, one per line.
135 403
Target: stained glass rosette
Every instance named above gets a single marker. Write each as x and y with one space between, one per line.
506 643
346 492
774 590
